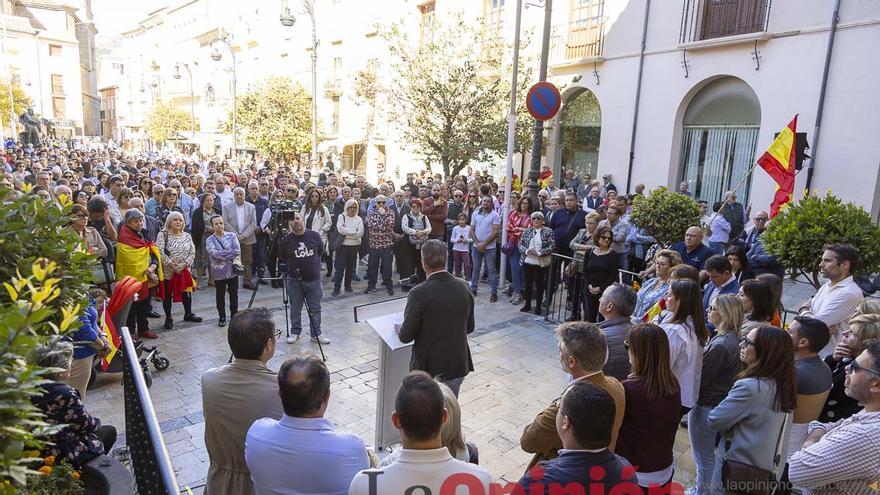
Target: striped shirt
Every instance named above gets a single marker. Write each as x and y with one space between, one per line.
844 461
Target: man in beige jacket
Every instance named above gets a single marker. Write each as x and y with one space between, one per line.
583 352
237 394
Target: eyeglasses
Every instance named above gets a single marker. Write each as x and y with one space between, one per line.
606 237
854 367
626 344
746 342
712 308
277 334
760 219
380 202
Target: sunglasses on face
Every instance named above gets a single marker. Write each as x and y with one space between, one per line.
605 237
746 342
855 367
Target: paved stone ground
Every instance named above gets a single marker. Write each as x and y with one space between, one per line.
517 374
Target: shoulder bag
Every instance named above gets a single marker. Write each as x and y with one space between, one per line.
336 239
741 478
237 265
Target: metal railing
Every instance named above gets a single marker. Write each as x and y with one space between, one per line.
578 40
151 465
710 19
564 292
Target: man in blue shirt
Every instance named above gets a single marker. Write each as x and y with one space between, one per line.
692 250
302 452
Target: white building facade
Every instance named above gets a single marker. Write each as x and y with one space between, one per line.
719 79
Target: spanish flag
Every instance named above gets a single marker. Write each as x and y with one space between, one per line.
778 162
124 290
655 310
133 258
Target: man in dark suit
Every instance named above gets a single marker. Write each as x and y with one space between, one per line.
439 315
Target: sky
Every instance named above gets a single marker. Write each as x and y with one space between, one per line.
115 16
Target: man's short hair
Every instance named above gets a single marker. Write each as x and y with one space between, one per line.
585 342
303 383
845 252
623 297
97 204
248 332
419 405
590 410
872 347
133 214
814 330
718 264
434 254
114 178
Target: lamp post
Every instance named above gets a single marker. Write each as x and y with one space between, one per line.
287 20
192 99
217 56
10 95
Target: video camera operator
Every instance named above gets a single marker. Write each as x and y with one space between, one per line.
302 251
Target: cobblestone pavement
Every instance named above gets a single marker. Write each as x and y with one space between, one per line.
517 374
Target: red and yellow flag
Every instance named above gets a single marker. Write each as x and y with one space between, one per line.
123 292
778 162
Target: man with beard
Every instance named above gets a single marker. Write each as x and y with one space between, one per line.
436 209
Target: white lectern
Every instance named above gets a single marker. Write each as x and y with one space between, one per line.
394 357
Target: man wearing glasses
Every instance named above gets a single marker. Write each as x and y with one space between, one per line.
750 236
842 457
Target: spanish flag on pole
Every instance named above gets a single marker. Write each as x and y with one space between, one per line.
778 162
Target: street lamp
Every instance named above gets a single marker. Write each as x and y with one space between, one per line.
287 20
192 98
216 56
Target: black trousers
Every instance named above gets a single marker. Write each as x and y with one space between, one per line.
534 275
346 264
401 256
137 321
166 302
221 287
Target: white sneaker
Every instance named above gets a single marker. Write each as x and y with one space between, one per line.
293 339
323 340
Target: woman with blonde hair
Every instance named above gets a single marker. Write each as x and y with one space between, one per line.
178 256
351 227
721 363
862 327
655 288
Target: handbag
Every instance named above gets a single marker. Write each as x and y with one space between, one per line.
337 239
741 478
508 248
103 272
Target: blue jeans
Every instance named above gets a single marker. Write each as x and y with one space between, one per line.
703 447
384 255
515 271
311 293
489 257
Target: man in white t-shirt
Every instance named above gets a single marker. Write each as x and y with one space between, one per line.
839 297
424 461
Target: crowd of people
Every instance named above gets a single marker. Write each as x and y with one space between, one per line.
700 342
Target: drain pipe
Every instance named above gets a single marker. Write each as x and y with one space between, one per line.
632 141
835 18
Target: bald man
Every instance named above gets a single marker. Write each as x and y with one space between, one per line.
692 250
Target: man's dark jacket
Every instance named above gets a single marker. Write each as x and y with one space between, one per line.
439 315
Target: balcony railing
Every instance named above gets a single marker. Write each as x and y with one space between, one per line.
710 19
577 40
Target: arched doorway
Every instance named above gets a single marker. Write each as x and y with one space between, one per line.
719 136
581 124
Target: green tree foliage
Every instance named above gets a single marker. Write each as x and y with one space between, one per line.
165 120
796 236
45 274
21 101
453 94
665 215
275 118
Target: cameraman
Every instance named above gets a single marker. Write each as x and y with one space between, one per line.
269 224
302 251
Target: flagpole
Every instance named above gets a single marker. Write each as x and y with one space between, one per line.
738 185
511 135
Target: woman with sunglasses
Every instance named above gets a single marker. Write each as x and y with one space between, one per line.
863 326
686 328
125 196
653 399
720 365
600 271
754 415
167 204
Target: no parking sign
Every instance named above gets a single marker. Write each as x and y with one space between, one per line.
543 101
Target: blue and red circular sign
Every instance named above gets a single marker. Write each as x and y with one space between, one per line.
543 101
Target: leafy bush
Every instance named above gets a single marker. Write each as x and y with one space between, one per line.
796 235
31 228
45 274
665 215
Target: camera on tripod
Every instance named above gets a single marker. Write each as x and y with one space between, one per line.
285 210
